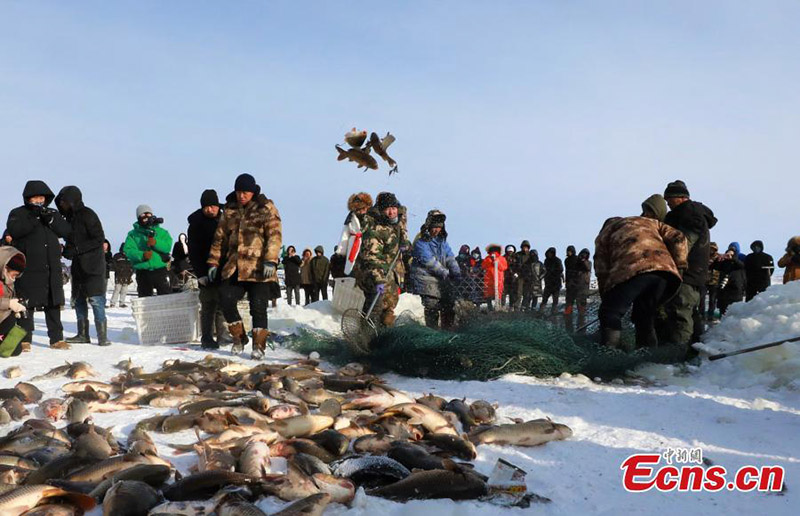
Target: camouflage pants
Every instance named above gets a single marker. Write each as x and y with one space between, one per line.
677 316
384 309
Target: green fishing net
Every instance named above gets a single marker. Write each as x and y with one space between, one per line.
488 346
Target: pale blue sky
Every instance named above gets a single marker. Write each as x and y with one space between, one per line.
532 119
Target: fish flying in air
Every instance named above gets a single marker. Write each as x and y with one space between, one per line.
380 145
358 156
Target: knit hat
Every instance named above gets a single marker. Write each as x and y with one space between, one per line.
359 201
675 189
525 243
142 209
246 183
656 205
386 200
209 198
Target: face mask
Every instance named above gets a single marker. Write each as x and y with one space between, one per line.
394 220
39 204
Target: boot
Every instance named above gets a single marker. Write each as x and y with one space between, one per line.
646 338
102 333
239 337
432 318
611 338
83 333
223 337
26 346
60 345
448 319
207 329
568 310
260 336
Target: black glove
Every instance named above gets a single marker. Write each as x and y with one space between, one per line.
69 252
46 216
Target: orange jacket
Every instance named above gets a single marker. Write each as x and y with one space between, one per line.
488 277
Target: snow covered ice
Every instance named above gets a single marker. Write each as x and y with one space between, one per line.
741 411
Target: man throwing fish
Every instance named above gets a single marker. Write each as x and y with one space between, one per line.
385 236
245 255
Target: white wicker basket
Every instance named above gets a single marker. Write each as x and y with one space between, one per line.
167 319
347 295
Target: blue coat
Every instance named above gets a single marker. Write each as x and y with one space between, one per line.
433 261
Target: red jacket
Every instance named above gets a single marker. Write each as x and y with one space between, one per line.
488 277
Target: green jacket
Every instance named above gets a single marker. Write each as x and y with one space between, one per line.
136 245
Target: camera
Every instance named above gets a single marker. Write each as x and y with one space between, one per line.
151 221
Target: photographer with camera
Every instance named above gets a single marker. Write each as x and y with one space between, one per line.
732 279
791 261
147 247
35 229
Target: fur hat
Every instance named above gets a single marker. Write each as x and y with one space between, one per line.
359 201
386 200
491 247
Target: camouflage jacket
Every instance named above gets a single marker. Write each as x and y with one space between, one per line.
246 238
381 242
630 246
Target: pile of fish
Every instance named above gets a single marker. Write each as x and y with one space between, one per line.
291 431
360 153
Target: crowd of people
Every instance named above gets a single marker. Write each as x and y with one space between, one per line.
660 264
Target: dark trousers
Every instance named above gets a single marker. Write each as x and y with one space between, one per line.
147 281
713 294
294 289
644 292
232 290
553 291
52 317
319 290
308 290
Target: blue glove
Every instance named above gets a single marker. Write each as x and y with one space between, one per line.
380 288
212 274
270 269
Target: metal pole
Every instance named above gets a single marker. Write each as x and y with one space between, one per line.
754 348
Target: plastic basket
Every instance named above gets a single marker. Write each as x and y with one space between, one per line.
347 295
167 319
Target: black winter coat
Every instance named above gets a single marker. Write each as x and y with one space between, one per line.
758 269
200 236
123 269
84 244
736 283
694 220
553 268
291 270
42 284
